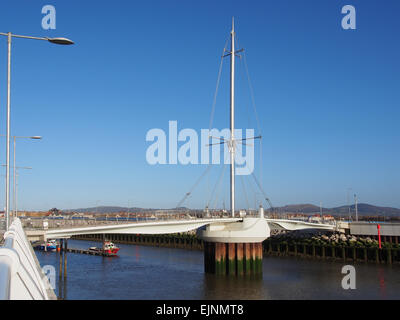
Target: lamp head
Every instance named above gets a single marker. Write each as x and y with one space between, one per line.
62 41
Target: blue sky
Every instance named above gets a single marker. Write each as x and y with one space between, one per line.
327 99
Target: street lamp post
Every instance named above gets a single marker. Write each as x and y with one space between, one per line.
14 178
9 35
15 167
16 191
15 184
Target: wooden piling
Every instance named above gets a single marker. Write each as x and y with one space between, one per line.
239 259
218 257
232 258
253 258
223 258
258 258
389 255
65 258
344 253
248 258
60 270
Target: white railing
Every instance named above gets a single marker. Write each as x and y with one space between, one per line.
21 277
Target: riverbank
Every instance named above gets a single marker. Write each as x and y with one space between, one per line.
332 246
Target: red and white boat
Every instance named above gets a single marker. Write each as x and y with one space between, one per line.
109 249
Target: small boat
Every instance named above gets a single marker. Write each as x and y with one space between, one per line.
50 245
109 249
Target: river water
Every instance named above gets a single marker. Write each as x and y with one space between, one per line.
151 273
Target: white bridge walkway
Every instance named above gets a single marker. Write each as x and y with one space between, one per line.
169 227
152 227
21 277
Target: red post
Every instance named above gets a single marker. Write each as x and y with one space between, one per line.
379 236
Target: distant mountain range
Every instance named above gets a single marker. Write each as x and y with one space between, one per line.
363 210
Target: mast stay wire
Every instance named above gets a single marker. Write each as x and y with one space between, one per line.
257 119
199 180
218 183
194 186
210 125
214 103
217 87
253 192
250 87
255 111
262 190
217 186
244 191
244 77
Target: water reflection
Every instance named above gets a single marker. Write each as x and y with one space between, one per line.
232 287
382 285
137 253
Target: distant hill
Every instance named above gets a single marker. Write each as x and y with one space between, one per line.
364 209
300 208
367 209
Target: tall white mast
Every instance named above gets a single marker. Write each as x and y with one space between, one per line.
355 200
232 142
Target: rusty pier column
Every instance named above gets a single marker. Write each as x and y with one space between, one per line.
239 259
232 258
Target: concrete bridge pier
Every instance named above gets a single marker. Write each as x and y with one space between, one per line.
235 248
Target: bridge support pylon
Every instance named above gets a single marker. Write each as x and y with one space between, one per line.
234 248
233 258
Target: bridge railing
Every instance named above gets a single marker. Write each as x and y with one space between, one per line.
20 275
37 223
